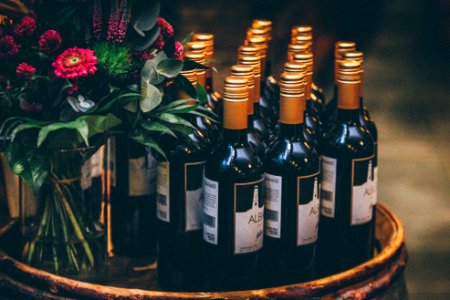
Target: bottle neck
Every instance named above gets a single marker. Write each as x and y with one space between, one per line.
290 131
292 109
348 116
209 84
235 136
308 87
250 120
349 95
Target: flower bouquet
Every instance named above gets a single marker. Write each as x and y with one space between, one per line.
72 73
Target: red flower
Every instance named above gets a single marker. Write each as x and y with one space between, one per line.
166 28
147 56
26 27
31 107
74 63
25 71
73 88
159 43
8 47
178 50
50 41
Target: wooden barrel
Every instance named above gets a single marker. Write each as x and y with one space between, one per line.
360 282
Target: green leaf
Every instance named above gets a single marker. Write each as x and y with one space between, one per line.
100 124
187 86
154 126
174 119
21 128
182 108
189 65
170 67
132 107
81 126
183 130
202 94
173 104
148 71
28 161
151 97
149 142
188 38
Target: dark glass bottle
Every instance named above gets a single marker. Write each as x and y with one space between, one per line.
330 110
254 137
179 208
133 194
345 232
233 200
292 194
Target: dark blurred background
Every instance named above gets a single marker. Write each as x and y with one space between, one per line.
407 90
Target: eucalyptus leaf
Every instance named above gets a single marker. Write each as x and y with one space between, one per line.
151 97
170 67
145 14
141 43
132 106
27 161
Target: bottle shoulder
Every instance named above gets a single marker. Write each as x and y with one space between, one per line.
189 148
348 139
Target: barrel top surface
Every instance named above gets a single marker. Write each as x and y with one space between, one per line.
384 266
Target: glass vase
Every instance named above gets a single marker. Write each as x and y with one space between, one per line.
66 238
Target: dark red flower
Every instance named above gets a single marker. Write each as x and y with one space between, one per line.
73 88
159 43
166 28
8 47
50 41
31 107
26 27
25 71
74 63
178 54
9 87
147 56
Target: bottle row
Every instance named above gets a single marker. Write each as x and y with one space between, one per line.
281 190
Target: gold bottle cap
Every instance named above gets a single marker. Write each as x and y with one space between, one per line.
265 24
349 71
354 55
235 104
190 75
208 40
293 67
259 42
292 98
246 71
297 49
247 50
196 47
306 59
264 32
302 39
255 62
343 46
302 30
198 57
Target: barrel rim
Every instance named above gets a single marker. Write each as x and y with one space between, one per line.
395 250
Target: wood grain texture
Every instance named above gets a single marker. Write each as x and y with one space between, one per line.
363 281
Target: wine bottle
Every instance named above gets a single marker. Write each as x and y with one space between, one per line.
233 200
258 123
303 34
179 208
311 116
291 193
205 125
132 198
345 232
330 111
255 139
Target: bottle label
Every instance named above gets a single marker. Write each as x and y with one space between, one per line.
210 210
272 185
86 177
249 217
363 189
328 191
308 196
112 161
162 190
141 175
193 180
97 163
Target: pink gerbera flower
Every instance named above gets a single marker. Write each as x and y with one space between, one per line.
8 47
26 27
25 71
74 63
50 41
166 28
178 54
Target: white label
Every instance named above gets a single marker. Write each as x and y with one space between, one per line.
162 189
86 178
272 204
141 176
210 210
308 218
97 163
362 197
112 160
375 183
249 227
194 197
328 186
